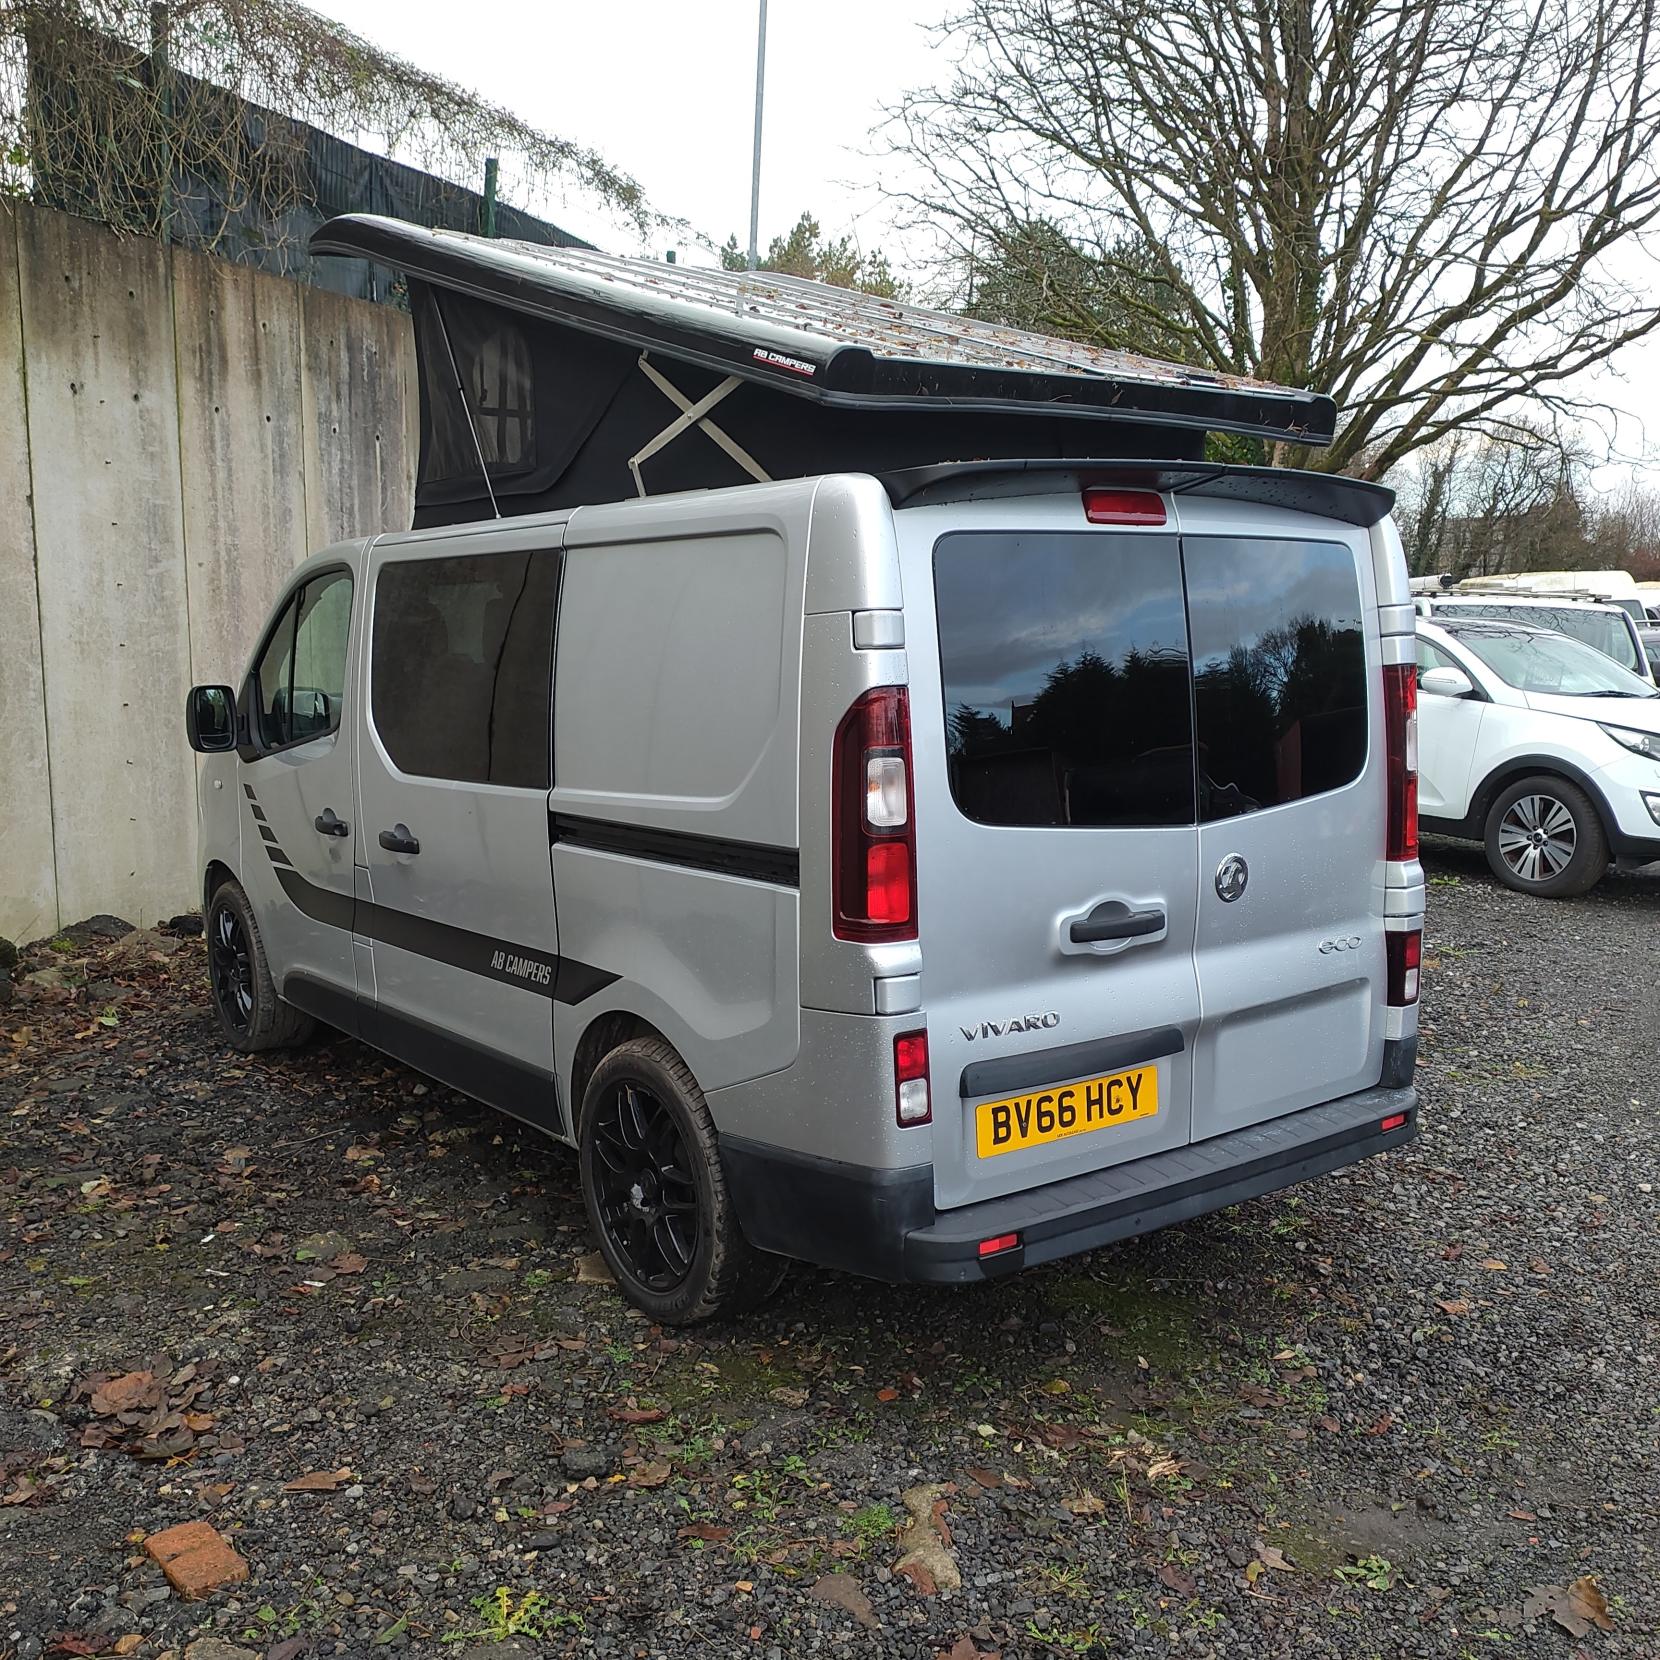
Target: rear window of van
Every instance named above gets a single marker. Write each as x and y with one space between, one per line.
1097 679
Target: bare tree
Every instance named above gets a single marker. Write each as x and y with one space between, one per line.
1470 505
1418 206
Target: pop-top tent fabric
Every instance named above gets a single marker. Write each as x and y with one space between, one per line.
583 377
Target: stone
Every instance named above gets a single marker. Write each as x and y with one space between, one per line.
213 1648
926 1559
140 946
581 1462
322 1247
198 1560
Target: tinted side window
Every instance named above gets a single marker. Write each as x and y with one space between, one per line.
1065 668
301 674
462 666
1279 659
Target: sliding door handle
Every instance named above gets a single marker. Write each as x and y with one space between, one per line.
399 840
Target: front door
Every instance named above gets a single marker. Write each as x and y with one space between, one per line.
296 782
1448 731
453 784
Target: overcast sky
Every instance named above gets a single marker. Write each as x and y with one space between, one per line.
664 89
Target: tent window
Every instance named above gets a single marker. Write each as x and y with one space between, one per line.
501 386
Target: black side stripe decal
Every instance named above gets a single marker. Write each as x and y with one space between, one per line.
778 866
564 979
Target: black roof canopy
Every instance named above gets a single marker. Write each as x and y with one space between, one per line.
582 376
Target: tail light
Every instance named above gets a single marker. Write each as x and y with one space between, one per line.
1400 714
873 835
912 1103
1403 954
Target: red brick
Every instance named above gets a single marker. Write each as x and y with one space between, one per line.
197 1559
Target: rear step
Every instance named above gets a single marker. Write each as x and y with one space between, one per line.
1086 1211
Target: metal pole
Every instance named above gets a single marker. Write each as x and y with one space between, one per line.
161 71
755 177
492 169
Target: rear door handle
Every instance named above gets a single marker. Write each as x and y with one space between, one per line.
1114 920
328 825
399 840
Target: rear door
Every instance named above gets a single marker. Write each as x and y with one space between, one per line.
1057 852
1289 723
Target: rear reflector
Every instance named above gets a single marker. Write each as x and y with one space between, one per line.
1123 507
1393 1121
1403 954
1400 719
1003 1242
912 1104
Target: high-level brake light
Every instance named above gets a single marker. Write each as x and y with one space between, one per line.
1123 507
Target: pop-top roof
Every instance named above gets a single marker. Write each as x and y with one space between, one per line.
834 346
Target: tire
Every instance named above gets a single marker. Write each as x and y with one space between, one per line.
251 1015
1545 837
656 1193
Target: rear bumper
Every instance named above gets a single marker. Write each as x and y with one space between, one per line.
882 1223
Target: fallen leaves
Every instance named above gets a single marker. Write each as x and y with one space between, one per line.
632 1413
649 1475
843 1591
152 1411
1576 1607
1453 1305
319 1481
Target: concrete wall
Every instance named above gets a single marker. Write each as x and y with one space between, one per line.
176 433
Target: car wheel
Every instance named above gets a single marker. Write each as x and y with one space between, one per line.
1545 837
251 1014
656 1191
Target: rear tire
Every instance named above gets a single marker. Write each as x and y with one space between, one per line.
1545 837
251 1014
656 1193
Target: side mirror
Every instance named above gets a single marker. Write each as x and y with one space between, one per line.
210 719
1445 683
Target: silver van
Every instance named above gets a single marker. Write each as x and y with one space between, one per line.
922 873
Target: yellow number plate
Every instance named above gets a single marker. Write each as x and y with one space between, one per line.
1066 1109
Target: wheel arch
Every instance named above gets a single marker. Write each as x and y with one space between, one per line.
600 1036
1535 766
217 874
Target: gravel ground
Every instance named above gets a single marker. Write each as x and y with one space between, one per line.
1403 1411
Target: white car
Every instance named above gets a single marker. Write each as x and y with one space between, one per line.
1541 748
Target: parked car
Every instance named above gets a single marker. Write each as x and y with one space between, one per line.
1024 869
1651 644
1539 747
1607 626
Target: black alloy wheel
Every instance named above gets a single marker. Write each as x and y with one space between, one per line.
231 969
655 1187
643 1187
